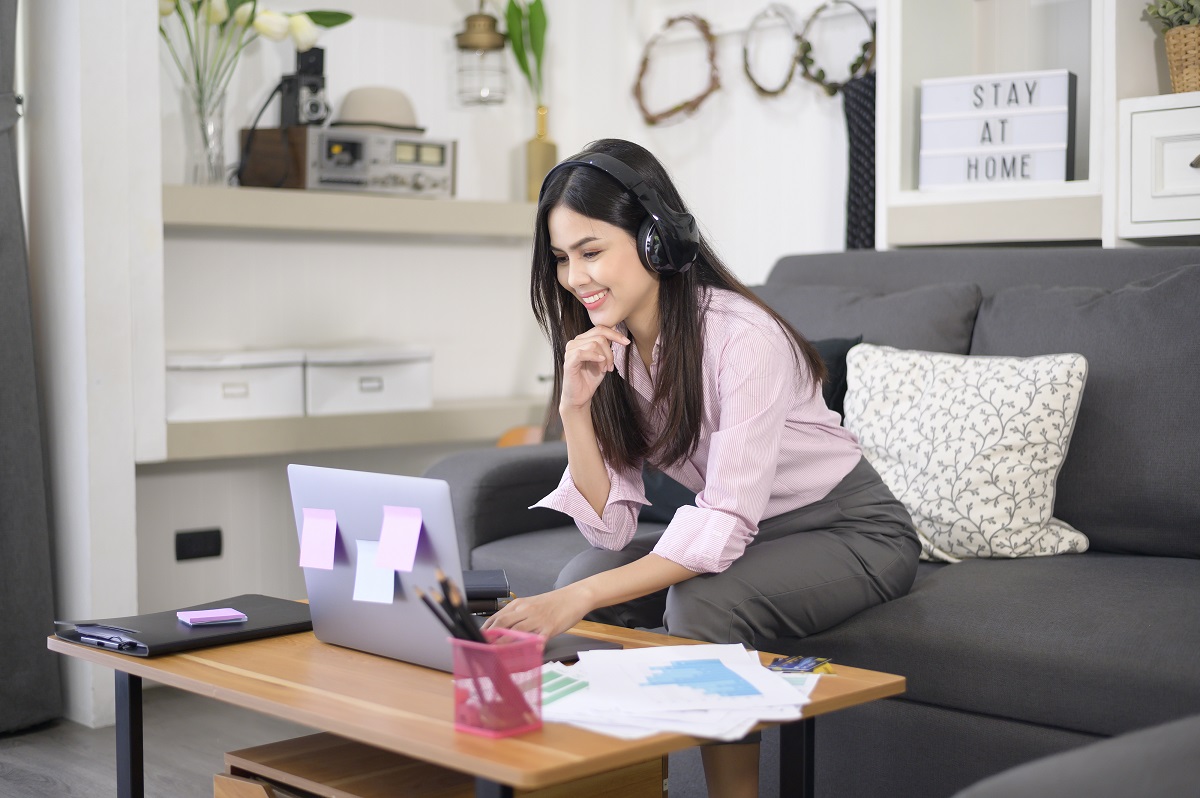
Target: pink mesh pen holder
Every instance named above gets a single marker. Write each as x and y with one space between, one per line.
498 684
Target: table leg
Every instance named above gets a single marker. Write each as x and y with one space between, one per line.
491 789
130 776
797 753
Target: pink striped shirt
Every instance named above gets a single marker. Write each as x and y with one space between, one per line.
768 445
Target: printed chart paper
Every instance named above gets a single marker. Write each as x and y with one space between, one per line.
719 692
691 677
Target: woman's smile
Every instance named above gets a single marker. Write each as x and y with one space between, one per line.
598 263
595 299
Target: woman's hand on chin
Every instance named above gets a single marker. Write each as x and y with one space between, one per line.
546 614
588 358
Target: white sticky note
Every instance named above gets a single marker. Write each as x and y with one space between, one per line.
398 538
372 583
318 536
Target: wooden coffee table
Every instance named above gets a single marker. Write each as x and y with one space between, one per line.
409 709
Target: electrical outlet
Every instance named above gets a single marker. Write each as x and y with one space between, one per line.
194 544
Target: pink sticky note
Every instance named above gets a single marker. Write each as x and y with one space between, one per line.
398 538
317 538
199 617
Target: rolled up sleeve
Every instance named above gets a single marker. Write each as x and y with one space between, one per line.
615 529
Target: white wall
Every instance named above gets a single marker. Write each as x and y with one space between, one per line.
765 178
248 501
85 182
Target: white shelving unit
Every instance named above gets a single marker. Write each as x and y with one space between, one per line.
191 210
446 422
1159 184
287 210
1108 46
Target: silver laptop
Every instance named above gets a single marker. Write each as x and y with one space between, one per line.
405 629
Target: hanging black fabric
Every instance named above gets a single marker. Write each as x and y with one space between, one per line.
29 690
858 98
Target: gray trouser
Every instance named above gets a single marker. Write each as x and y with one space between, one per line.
805 571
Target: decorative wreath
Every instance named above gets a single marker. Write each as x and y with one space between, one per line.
861 65
783 13
687 106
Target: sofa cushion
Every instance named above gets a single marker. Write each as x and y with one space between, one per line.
833 353
970 445
1095 643
936 318
1129 482
532 561
665 496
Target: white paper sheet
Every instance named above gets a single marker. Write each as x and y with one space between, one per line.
713 691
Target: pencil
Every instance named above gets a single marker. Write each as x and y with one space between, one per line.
460 609
438 612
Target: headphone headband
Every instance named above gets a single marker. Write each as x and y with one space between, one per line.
668 241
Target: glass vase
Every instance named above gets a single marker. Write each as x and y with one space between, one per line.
541 154
204 138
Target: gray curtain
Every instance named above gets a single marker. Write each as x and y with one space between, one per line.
30 691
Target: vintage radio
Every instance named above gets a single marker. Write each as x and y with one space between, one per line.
348 159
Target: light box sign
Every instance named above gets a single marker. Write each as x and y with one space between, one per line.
988 129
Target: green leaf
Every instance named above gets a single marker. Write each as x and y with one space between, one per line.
514 16
537 39
329 19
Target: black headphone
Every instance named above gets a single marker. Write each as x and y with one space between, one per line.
667 240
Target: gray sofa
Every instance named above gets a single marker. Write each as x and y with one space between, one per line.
1007 661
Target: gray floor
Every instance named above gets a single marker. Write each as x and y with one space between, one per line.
186 736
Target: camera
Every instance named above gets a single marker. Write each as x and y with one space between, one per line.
304 100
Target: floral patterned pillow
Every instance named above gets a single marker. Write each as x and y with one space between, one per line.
972 446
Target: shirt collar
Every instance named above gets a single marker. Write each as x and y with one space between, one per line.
620 354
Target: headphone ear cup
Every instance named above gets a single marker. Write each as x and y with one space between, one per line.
650 248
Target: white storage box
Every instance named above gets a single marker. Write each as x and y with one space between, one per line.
368 380
220 386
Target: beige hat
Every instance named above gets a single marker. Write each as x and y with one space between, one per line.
377 106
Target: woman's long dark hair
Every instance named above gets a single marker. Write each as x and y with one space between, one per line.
679 386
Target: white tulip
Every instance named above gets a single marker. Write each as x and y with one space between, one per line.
166 8
303 31
218 11
242 15
271 25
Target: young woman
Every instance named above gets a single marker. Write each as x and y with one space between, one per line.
663 357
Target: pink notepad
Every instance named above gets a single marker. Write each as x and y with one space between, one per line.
199 617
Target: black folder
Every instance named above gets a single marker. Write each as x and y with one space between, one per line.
162 632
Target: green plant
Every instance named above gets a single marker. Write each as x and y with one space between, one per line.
1172 14
527 36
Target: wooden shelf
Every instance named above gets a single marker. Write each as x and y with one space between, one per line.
291 210
446 422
